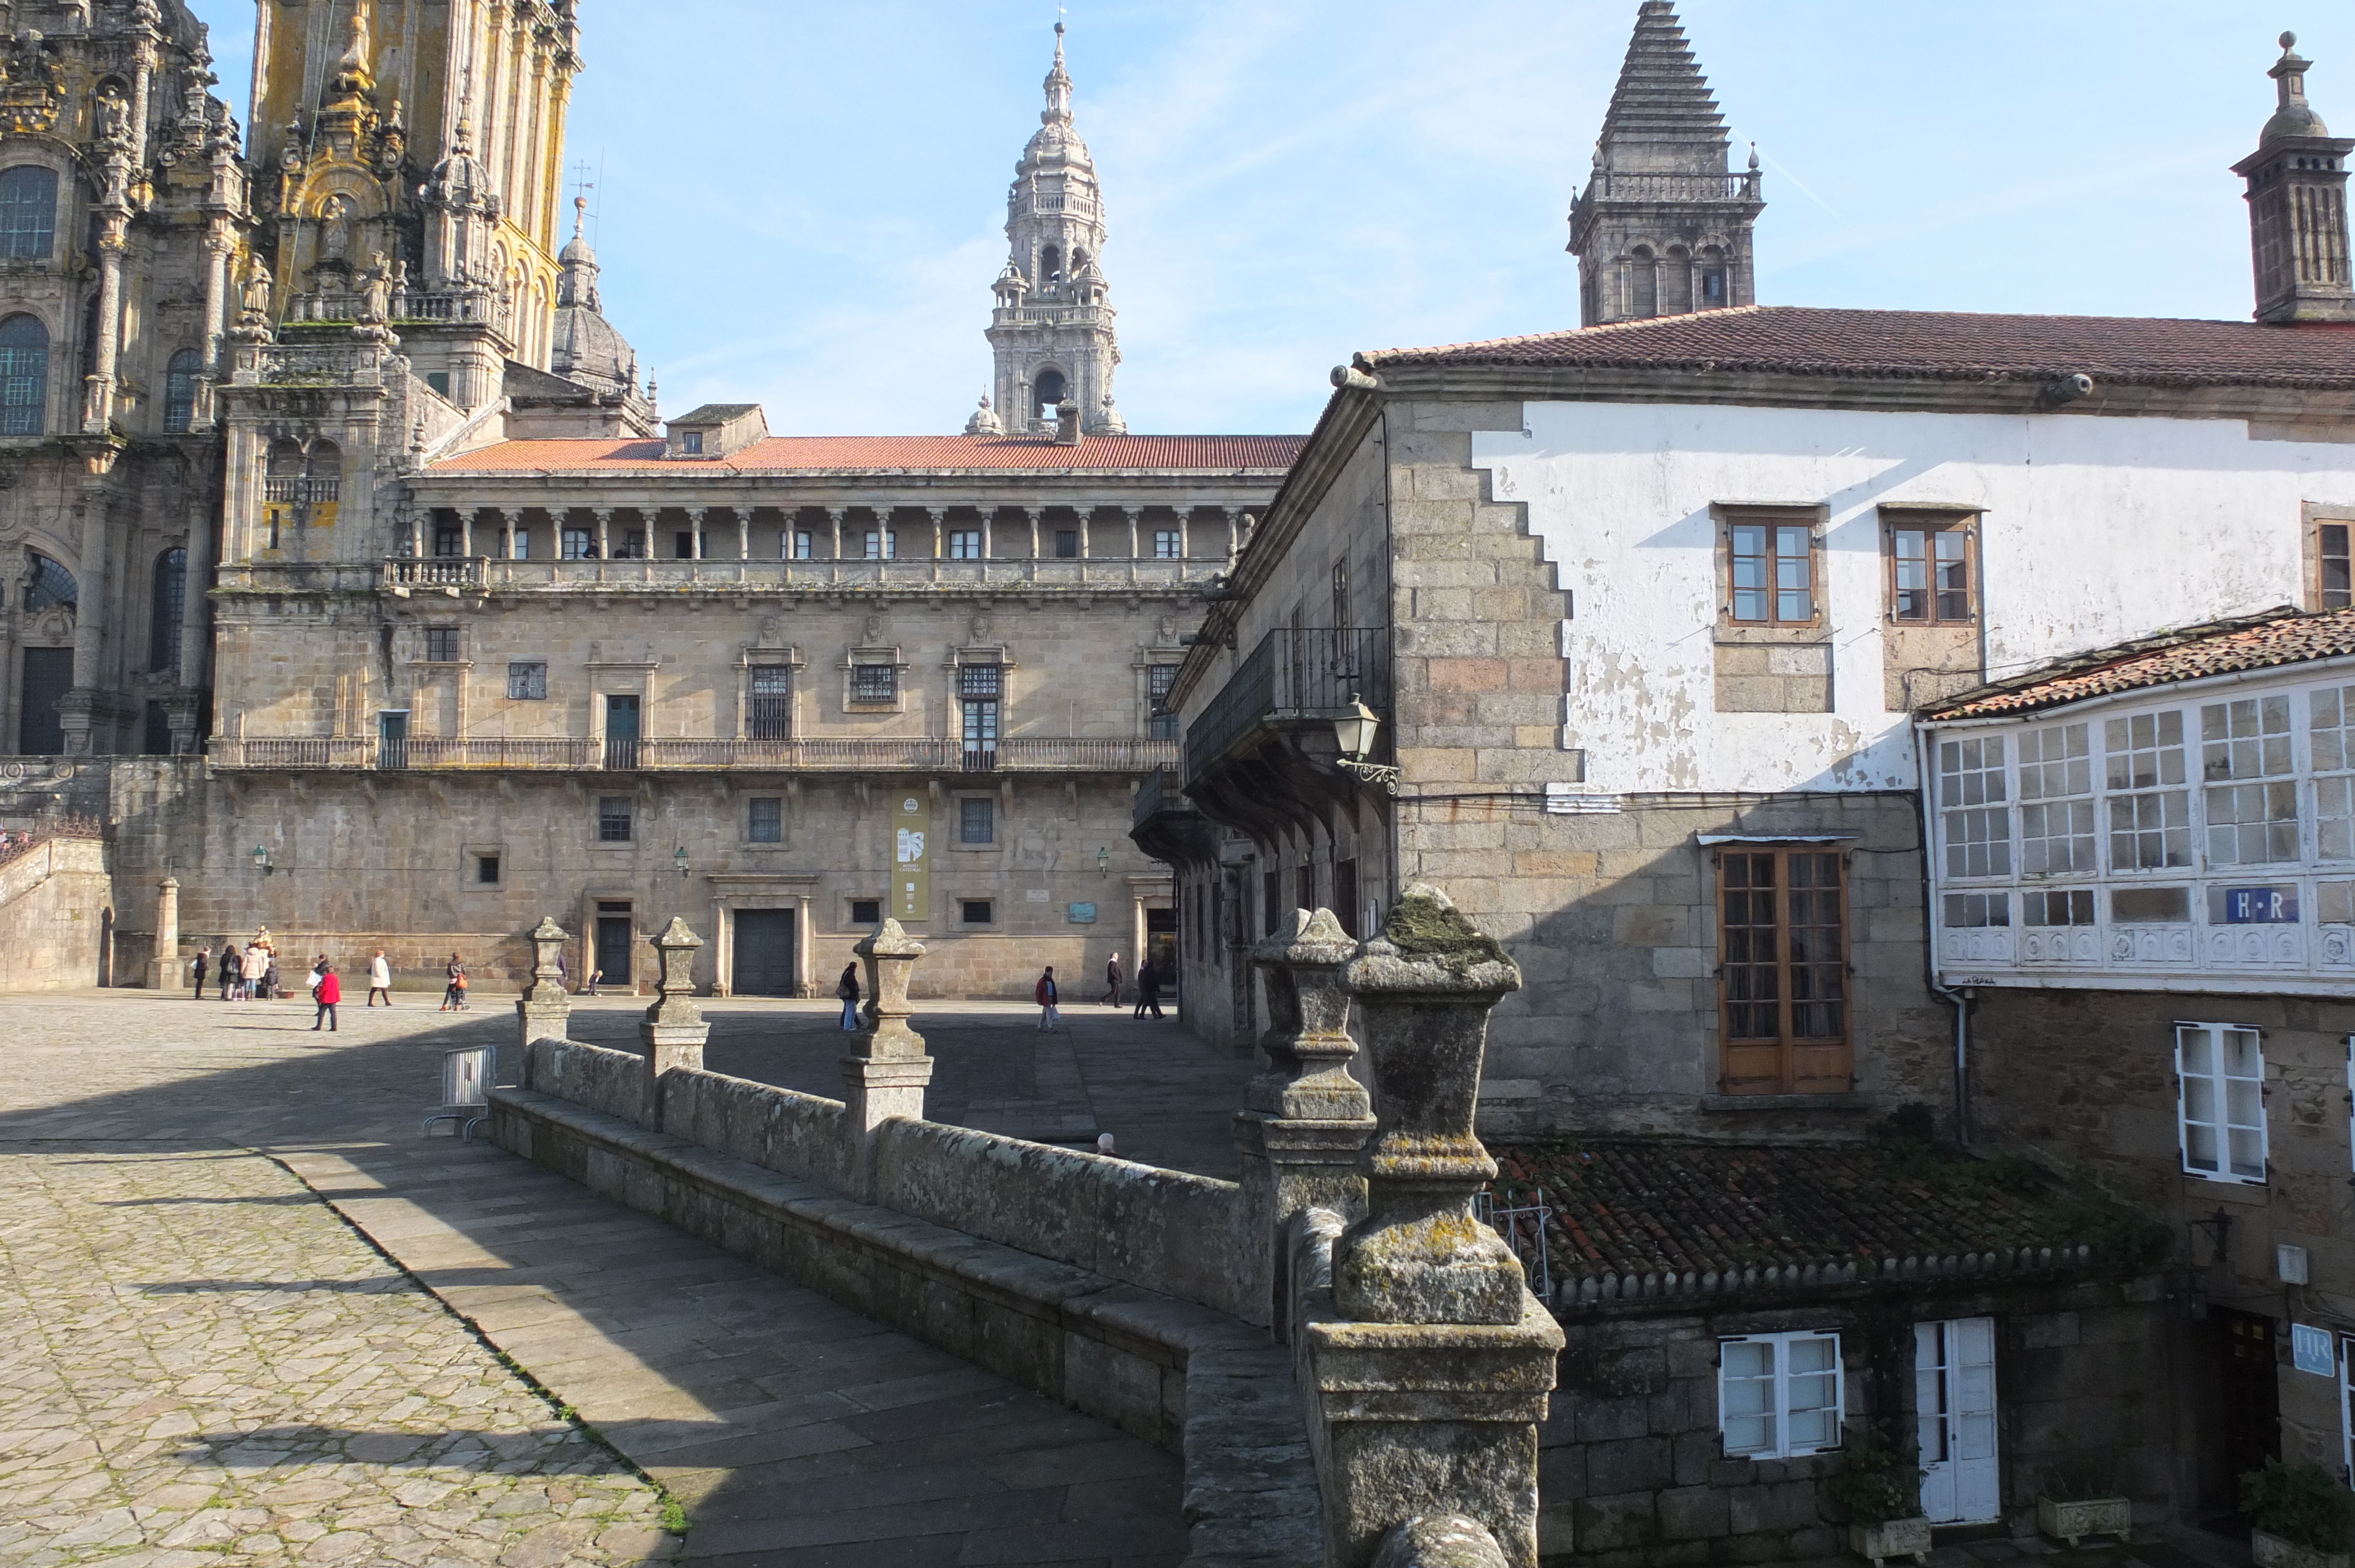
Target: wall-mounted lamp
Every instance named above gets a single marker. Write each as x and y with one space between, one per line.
679 859
261 860
1354 732
1104 861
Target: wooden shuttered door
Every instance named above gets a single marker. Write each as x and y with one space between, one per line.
1783 970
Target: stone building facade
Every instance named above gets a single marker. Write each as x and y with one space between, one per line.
1619 635
487 638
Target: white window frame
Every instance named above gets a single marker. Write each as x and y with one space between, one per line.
1783 1448
2220 1085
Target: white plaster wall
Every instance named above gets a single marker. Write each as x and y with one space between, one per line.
2094 529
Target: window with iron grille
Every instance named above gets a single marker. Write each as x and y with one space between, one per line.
167 611
874 683
765 821
865 911
1158 680
613 820
528 682
1067 543
979 911
440 644
1783 971
976 680
977 820
768 703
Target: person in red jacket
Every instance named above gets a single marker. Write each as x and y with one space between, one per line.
1044 994
330 992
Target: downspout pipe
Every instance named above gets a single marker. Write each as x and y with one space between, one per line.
1960 1000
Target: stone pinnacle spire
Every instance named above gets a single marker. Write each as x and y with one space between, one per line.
1051 333
1664 225
2297 206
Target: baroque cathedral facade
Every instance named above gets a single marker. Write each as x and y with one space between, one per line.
356 580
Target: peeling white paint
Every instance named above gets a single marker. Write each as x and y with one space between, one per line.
2093 529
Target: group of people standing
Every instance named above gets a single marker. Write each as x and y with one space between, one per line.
249 973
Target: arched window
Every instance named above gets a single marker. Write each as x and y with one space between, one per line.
24 377
29 213
1676 282
1048 391
50 584
165 614
1643 274
1051 264
180 391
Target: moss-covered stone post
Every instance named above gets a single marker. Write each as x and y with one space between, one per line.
545 1010
885 1077
1305 1121
673 1030
1428 1363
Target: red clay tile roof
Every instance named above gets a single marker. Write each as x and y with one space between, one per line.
1933 345
892 454
2283 636
1632 1207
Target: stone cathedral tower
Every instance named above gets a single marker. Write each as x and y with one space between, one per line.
1663 228
2297 206
1052 329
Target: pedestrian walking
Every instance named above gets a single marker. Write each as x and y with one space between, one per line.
326 993
1112 981
1045 995
379 979
846 988
1149 989
594 976
204 962
319 968
453 995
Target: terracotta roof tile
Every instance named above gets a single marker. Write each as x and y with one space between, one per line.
1932 345
2283 636
1631 1207
837 455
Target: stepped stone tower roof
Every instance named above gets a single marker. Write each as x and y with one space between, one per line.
1664 225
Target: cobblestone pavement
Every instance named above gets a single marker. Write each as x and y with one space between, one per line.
795 1434
202 1363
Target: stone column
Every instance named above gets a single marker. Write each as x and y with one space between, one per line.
1032 513
1185 534
834 521
887 1074
744 534
695 516
544 1012
98 407
673 1031
164 970
1234 533
989 535
506 532
466 533
605 516
1306 1121
1428 1364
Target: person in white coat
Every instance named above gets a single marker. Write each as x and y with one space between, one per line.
379 979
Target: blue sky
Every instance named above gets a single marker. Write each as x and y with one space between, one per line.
802 204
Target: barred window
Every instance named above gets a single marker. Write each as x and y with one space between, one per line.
874 683
1158 680
1971 794
2251 821
440 644
980 680
2150 810
528 682
977 820
768 703
765 821
613 819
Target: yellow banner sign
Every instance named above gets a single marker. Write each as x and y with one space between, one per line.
911 881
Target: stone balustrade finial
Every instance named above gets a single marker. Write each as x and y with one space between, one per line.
548 940
1307 1039
675 951
884 1076
1423 988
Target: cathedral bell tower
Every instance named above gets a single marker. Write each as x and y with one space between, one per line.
2297 206
1663 227
1052 329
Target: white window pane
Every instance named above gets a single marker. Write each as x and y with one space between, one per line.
2198 1146
1749 1358
2248 1154
2241 1059
1749 1434
1815 1354
1815 1428
2199 1051
2200 1100
2242 1104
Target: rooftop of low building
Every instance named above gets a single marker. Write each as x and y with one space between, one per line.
1953 345
1684 1210
2274 637
893 454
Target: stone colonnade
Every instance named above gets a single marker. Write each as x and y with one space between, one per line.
1422 1362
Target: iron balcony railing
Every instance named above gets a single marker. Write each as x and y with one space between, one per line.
1297 674
912 754
1157 794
